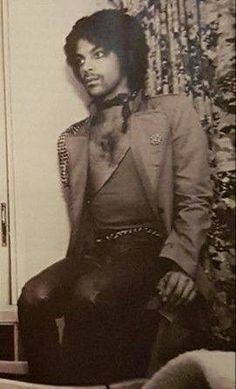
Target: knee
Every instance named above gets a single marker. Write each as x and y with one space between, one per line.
84 290
34 294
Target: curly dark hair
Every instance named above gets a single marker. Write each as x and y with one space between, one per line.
114 31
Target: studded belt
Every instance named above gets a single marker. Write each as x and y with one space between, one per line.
126 232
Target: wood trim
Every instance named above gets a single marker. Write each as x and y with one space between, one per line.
9 367
9 384
9 141
4 250
16 342
8 315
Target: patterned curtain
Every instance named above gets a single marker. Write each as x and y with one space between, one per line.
192 51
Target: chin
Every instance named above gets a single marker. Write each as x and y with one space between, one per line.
94 91
97 94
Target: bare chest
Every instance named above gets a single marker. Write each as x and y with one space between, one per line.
106 150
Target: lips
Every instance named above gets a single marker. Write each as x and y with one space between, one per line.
90 80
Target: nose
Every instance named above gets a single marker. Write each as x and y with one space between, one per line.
86 67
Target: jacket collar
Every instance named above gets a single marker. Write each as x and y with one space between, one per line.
134 105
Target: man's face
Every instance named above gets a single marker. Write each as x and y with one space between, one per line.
100 71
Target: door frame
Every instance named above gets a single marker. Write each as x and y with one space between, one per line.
7 133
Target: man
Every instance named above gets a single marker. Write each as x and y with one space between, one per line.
136 183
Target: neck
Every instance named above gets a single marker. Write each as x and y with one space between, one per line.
113 109
122 91
121 88
112 115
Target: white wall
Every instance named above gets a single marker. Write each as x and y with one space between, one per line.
45 101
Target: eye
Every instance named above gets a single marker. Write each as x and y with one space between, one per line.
79 61
99 54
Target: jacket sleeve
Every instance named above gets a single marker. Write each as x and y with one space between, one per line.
192 187
63 161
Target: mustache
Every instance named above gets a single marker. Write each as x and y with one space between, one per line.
90 77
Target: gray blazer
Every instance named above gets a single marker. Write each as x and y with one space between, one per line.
171 154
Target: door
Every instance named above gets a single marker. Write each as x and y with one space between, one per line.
42 99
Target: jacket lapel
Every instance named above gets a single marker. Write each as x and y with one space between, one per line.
78 152
149 134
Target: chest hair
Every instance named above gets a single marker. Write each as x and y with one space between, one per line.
107 143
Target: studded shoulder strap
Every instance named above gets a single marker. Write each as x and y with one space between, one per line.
74 130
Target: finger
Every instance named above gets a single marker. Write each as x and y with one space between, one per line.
170 286
161 285
177 293
188 289
192 295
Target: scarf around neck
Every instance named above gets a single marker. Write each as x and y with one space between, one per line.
122 99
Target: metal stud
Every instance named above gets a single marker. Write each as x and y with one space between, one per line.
155 139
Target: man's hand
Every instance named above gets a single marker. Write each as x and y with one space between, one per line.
176 288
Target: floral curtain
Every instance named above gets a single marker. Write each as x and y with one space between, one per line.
192 51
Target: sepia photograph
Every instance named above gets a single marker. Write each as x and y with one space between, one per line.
117 194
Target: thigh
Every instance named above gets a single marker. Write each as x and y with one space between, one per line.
49 289
123 282
104 318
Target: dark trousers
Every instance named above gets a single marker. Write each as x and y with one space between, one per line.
108 333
